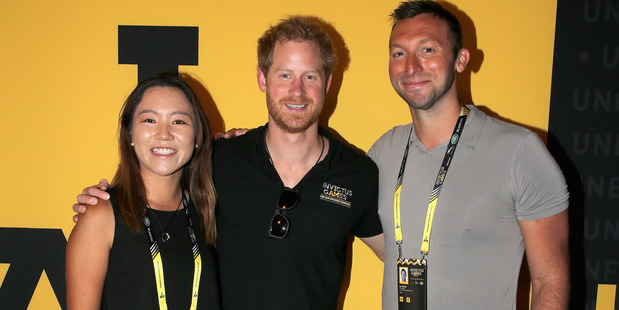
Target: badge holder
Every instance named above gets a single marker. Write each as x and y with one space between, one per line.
412 284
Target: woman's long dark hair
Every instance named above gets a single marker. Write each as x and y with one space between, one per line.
197 172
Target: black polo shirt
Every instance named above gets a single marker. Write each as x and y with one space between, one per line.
304 270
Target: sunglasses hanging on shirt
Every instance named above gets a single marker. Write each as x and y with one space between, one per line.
280 224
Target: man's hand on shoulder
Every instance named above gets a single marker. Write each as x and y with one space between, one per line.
234 132
89 197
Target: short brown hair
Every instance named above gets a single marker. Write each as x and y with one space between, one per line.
413 8
298 29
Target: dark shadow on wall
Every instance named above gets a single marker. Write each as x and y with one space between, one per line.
469 41
543 134
343 62
216 121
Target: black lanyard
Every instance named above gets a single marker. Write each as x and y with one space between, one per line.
440 178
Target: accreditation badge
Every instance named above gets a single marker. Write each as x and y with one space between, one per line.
412 284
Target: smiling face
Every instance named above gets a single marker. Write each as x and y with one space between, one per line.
421 61
162 132
295 86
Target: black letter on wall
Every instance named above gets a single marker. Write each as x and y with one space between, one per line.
157 48
29 252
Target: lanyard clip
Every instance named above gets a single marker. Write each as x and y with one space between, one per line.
399 243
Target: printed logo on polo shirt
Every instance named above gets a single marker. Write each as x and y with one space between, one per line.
336 194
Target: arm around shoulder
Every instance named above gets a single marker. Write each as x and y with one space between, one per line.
87 256
546 245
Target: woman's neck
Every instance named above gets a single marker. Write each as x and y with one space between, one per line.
163 193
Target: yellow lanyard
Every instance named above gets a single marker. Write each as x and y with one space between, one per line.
158 264
440 178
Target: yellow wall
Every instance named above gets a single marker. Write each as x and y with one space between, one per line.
61 88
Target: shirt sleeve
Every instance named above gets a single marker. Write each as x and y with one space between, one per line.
369 223
540 189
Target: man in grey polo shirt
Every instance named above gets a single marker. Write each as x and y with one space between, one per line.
491 189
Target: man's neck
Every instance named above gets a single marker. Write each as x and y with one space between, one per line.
435 126
294 154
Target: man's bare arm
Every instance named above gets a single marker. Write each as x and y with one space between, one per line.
546 243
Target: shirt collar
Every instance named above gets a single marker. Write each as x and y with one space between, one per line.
470 134
333 155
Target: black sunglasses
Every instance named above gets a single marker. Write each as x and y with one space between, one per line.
279 223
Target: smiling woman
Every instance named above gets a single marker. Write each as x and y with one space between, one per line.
163 131
134 251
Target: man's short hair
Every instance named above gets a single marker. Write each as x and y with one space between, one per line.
296 28
410 9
